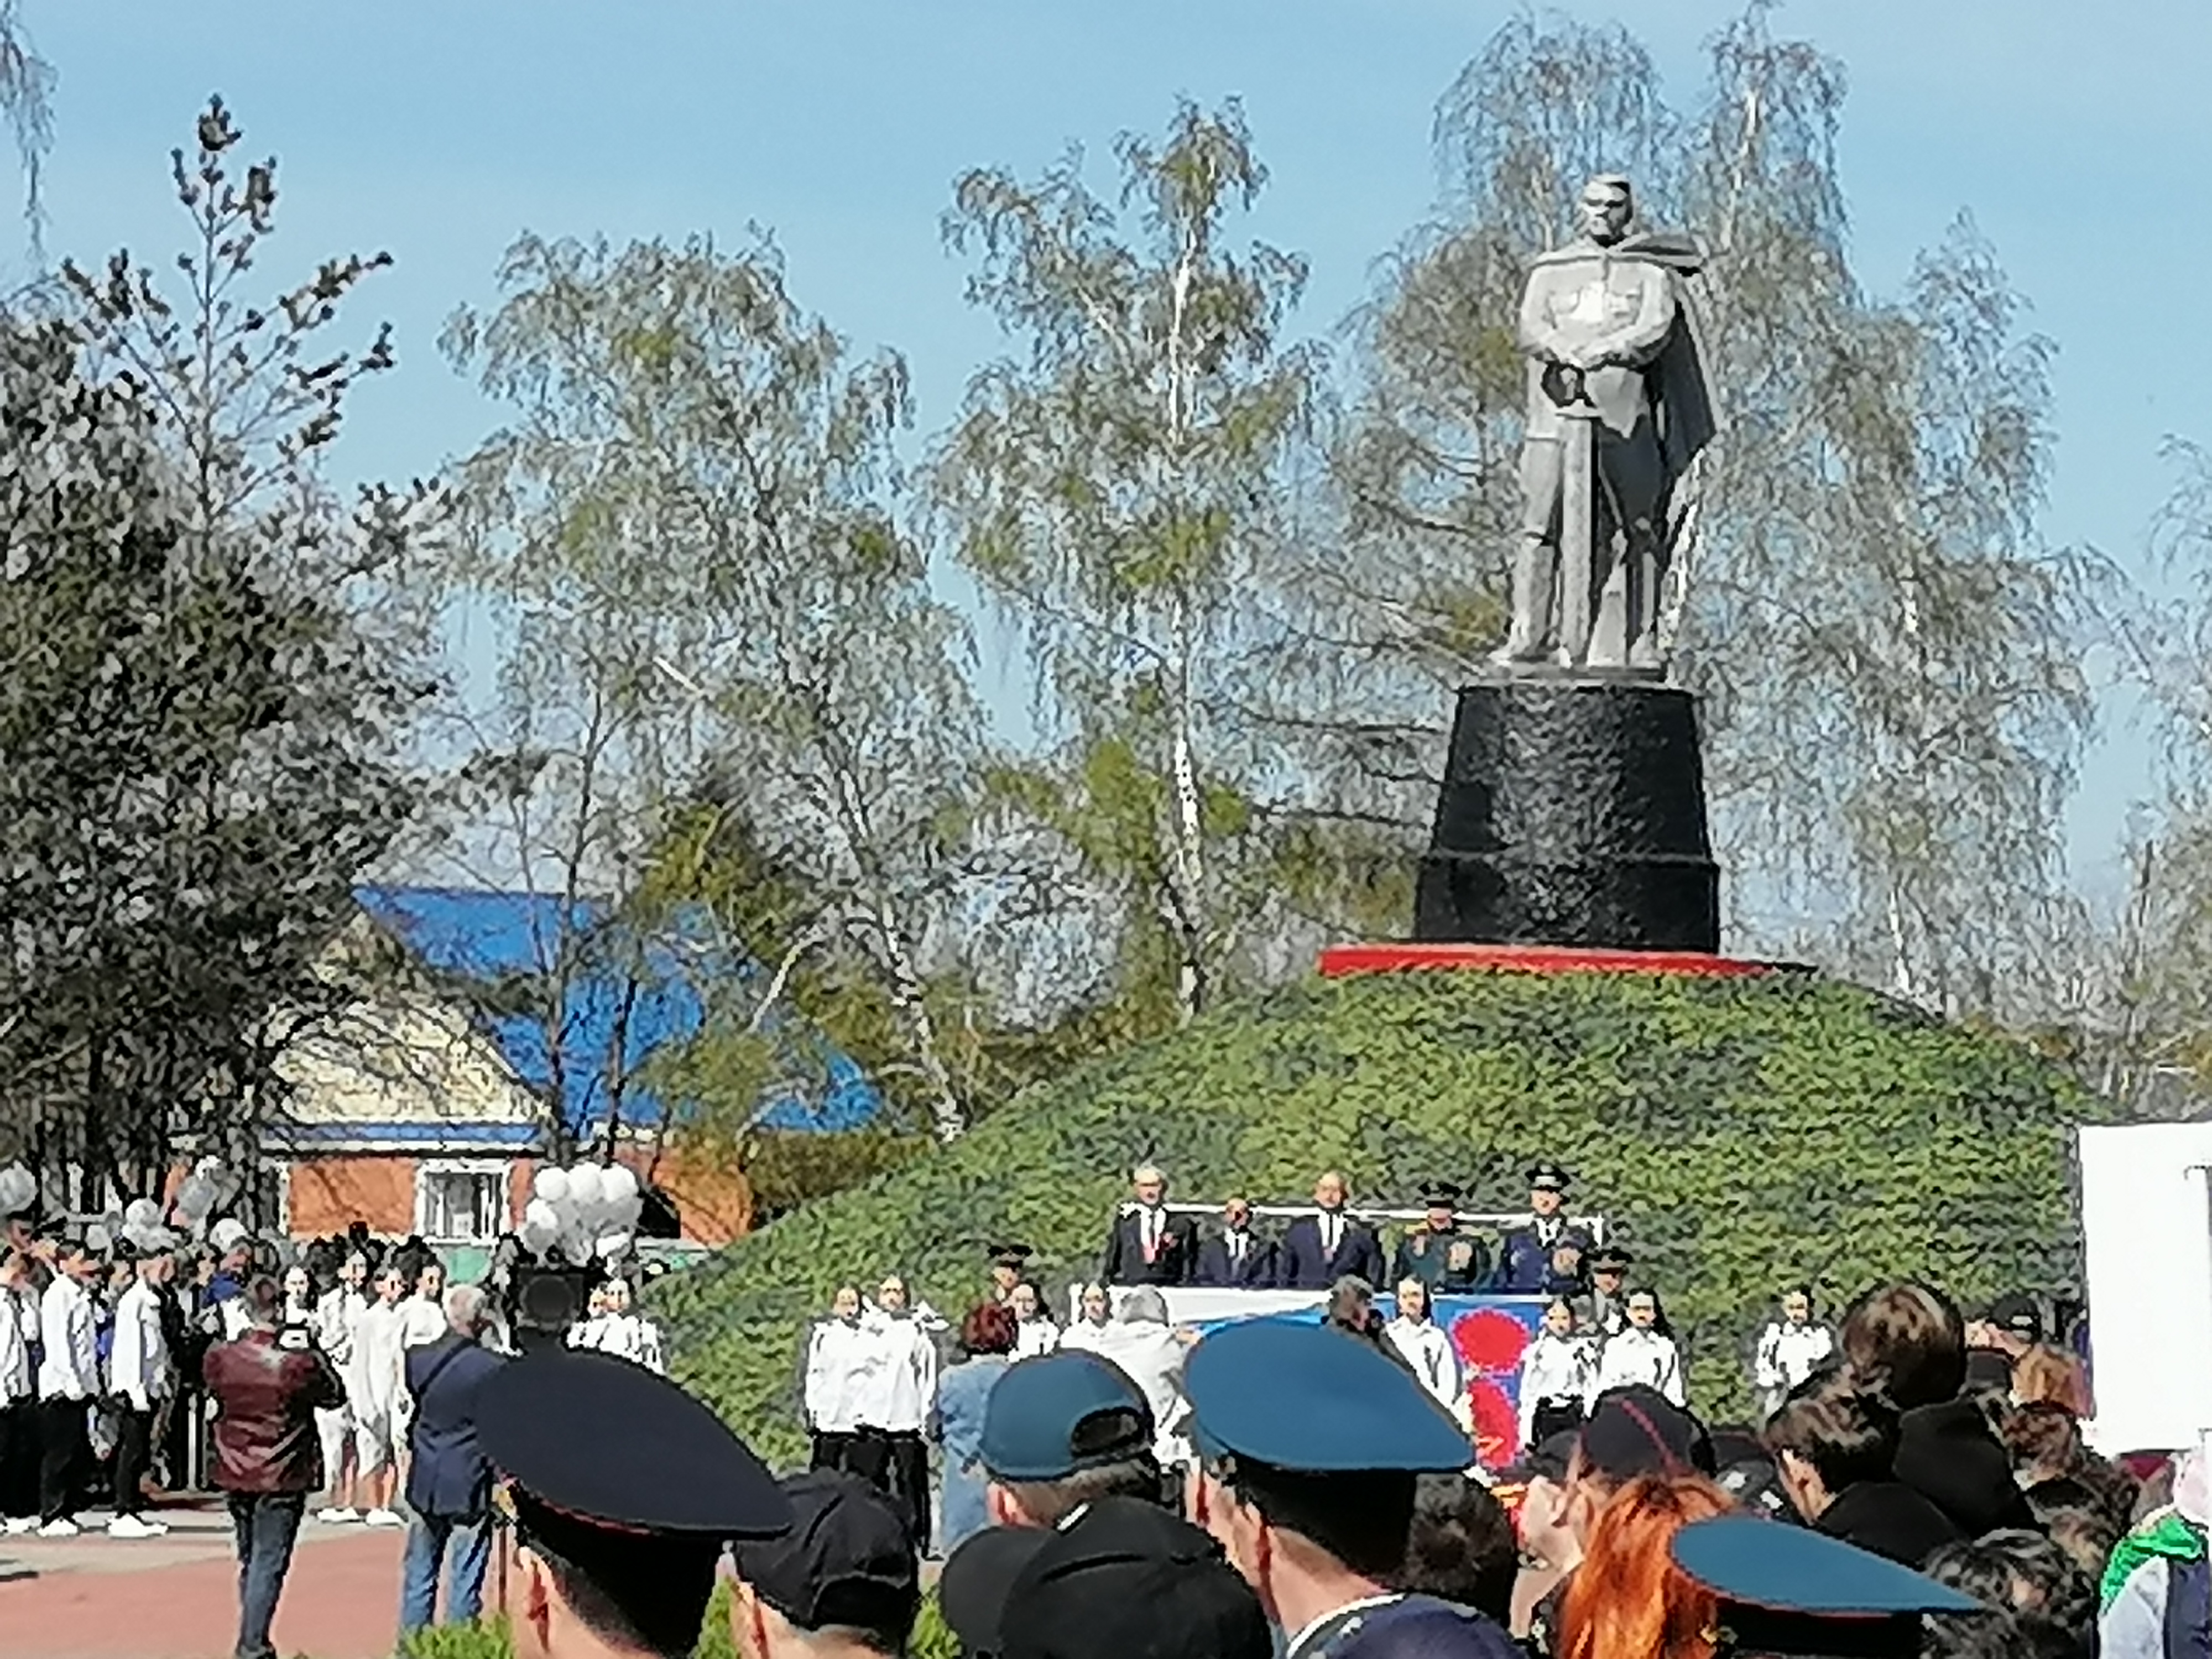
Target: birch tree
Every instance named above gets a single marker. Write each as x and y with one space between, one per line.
694 516
1888 652
1116 488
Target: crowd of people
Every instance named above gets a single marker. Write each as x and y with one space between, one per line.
322 1381
1915 1496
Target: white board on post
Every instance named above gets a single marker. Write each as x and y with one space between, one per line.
2147 1237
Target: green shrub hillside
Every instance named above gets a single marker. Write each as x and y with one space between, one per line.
1740 1134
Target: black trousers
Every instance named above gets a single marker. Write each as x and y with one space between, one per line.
1554 1417
833 1450
65 1456
897 1463
19 1459
134 1439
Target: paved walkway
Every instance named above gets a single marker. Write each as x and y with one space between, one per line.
176 1597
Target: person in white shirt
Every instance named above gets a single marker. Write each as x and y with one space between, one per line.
69 1384
900 1392
138 1379
19 1397
590 1330
636 1338
1643 1352
376 1387
423 1314
1557 1369
1089 1331
1149 1353
840 1354
1035 1333
1791 1349
1423 1346
338 1318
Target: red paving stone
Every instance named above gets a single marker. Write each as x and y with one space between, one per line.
176 1597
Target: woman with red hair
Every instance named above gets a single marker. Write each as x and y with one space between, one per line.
2046 1375
1628 1600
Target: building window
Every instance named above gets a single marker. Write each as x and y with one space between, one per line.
462 1206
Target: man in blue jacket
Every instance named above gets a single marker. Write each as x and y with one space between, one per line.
448 1477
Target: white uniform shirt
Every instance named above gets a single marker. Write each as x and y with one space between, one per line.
1554 1368
421 1324
1788 1354
1035 1336
70 1368
1645 1357
1429 1352
16 1381
899 1394
338 1317
378 1378
138 1364
840 1355
627 1336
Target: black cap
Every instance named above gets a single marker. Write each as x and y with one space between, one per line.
1609 1259
978 1577
1638 1431
1440 1194
1545 1176
604 1444
847 1559
1125 1576
1009 1255
1547 1460
2016 1314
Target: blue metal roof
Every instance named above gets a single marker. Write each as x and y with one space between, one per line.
486 938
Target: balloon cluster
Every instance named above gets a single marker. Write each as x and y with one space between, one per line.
19 1189
589 1210
206 1189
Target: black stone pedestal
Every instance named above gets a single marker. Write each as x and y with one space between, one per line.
1572 813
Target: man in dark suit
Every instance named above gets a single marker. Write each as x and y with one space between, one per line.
1329 1245
1238 1260
448 1476
1148 1246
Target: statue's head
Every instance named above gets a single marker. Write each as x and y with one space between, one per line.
1606 206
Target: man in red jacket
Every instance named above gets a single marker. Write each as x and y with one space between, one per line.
268 1457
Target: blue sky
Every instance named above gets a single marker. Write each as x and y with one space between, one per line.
440 129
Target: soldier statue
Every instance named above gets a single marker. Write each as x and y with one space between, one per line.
1618 409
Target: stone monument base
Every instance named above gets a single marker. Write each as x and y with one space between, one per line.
1573 814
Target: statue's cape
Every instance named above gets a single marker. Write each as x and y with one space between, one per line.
1681 397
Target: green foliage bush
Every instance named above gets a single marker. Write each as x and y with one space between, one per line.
1739 1134
932 1637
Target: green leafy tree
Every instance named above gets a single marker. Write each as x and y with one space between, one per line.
694 523
1118 490
204 739
1858 576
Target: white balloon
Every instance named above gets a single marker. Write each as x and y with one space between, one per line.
228 1233
537 1238
541 1215
617 1184
96 1240
142 1212
195 1198
584 1187
551 1185
613 1244
578 1252
629 1211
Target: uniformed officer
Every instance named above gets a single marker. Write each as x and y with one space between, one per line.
1526 1256
1796 1594
621 1491
1312 1442
1447 1260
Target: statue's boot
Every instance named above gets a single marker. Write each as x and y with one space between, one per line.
1535 568
1644 654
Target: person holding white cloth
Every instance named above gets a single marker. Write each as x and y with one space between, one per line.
1417 1341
